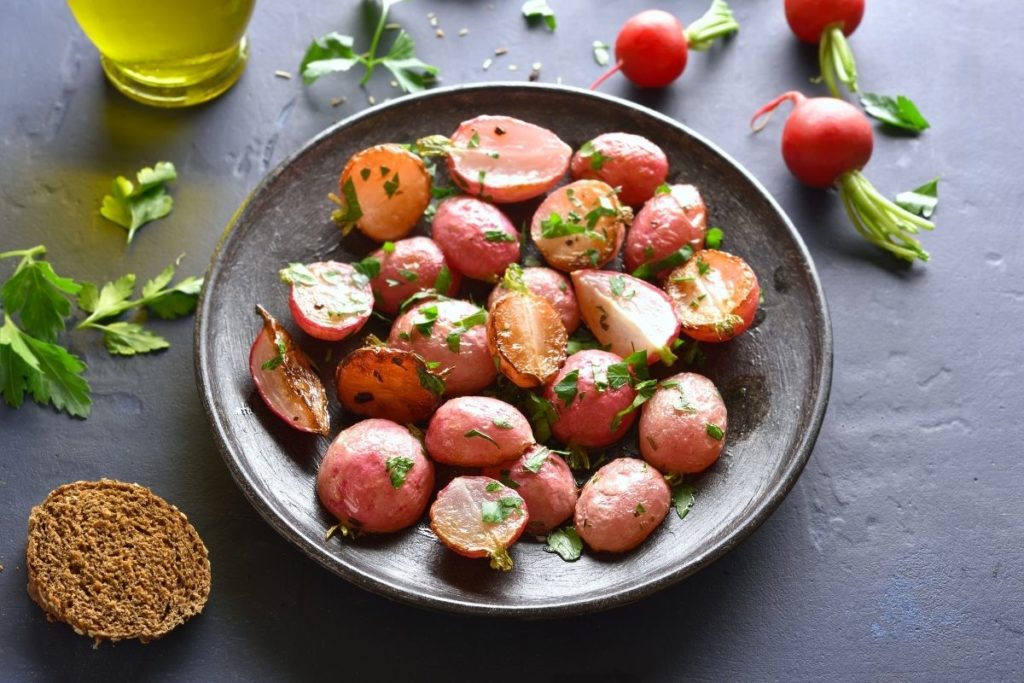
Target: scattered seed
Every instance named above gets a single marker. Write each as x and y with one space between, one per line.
512 67
337 101
283 74
393 84
392 26
535 71
463 32
558 80
431 15
501 51
433 21
440 33
487 63
371 99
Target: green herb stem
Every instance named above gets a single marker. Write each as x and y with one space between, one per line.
368 59
716 23
837 63
880 220
25 254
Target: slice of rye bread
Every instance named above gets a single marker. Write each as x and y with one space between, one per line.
115 561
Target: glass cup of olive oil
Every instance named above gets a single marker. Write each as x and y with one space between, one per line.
168 53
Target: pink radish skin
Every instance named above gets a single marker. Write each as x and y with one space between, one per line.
630 162
355 485
621 505
290 389
550 285
808 19
550 492
674 432
640 318
530 160
337 306
665 224
419 255
587 420
461 228
457 520
469 370
477 431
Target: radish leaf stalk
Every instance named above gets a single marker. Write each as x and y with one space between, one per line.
837 63
716 23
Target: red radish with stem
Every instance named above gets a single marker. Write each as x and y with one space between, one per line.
826 23
826 142
652 47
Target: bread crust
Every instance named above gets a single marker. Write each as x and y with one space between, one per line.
115 561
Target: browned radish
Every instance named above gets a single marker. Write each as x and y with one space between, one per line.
525 333
383 192
284 379
393 384
551 285
506 160
626 314
580 225
329 300
715 295
479 517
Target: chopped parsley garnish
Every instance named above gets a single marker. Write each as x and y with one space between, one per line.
921 200
453 340
566 543
391 186
277 360
648 270
425 324
664 188
369 267
702 267
297 274
601 52
430 381
537 460
715 432
474 141
682 499
477 433
898 111
713 239
350 211
588 151
495 511
593 255
566 387
539 9
639 509
388 247
409 275
444 280
553 227
492 486
398 468
365 174
502 423
498 236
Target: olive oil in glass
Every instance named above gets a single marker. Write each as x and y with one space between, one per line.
168 53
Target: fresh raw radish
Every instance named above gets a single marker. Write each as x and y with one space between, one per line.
329 300
500 158
715 295
384 191
479 517
826 142
285 380
525 334
626 314
652 47
826 23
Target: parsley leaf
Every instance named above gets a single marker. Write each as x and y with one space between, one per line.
486 437
566 387
601 53
425 324
298 274
498 236
713 238
502 423
581 340
537 460
588 151
369 267
921 200
350 211
430 381
648 270
398 468
411 74
898 111
715 432
328 54
664 188
682 499
492 486
539 9
566 543
128 339
133 205
495 511
46 371
39 297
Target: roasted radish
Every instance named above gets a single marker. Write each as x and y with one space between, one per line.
477 431
621 505
545 482
476 237
479 517
285 380
329 300
389 383
626 314
630 162
715 295
591 395
666 231
375 478
550 285
683 425
400 269
580 225
525 334
383 192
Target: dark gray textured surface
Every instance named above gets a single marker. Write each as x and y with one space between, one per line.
898 555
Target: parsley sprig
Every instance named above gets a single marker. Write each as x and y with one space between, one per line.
132 205
334 52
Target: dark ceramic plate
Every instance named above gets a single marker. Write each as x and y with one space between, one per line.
775 379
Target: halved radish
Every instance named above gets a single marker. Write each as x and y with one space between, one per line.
284 379
526 335
479 517
329 300
383 192
625 313
715 295
393 384
580 225
668 222
506 160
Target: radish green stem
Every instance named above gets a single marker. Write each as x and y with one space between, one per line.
718 21
837 63
879 220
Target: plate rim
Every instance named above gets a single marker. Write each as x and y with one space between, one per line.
376 584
